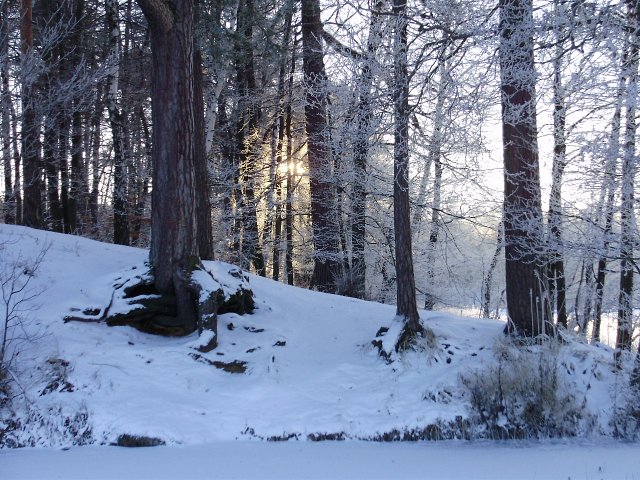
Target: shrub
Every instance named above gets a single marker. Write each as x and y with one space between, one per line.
28 426
524 395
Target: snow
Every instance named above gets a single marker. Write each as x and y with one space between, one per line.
331 460
311 371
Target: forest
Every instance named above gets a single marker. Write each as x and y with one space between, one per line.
463 156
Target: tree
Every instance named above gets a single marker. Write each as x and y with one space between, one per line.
176 134
556 261
523 229
606 207
120 213
325 229
278 142
364 117
435 159
407 309
627 213
9 200
32 214
247 135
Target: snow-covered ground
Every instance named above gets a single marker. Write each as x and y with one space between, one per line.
311 372
331 460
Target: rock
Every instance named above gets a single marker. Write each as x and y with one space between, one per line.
127 440
217 288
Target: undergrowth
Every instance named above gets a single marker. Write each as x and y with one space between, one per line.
524 394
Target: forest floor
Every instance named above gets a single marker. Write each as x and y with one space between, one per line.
302 367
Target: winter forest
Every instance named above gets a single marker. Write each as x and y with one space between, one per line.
469 157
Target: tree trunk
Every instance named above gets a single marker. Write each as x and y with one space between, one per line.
325 227
247 134
32 205
556 260
116 119
627 214
174 237
16 165
407 309
50 150
435 142
430 297
63 152
288 210
279 148
9 197
203 209
364 116
606 201
486 285
523 229
143 183
94 152
78 189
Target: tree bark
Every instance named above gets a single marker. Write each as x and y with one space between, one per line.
325 227
94 152
247 134
203 208
78 188
430 296
32 203
63 152
523 229
279 147
117 121
50 151
486 285
364 116
17 159
606 202
627 214
174 237
556 258
407 309
9 196
288 210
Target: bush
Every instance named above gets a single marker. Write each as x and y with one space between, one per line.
28 426
625 421
346 283
524 395
17 300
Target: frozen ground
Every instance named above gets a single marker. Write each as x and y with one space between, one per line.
311 371
331 460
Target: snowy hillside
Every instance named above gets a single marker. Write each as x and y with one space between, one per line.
301 367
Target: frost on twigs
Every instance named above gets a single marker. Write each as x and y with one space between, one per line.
217 288
18 301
